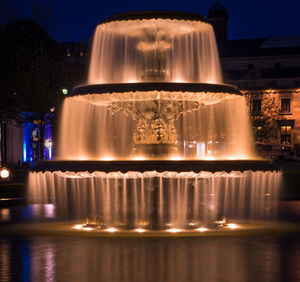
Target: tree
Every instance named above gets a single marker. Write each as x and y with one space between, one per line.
33 69
265 122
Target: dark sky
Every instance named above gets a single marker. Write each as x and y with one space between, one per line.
76 20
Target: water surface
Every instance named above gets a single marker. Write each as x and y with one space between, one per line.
249 258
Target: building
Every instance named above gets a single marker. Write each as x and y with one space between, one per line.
267 71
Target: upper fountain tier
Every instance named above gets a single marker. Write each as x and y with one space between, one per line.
155 91
154 47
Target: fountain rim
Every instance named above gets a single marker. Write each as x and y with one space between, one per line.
154 86
125 166
148 15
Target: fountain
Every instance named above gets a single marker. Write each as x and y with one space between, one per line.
155 140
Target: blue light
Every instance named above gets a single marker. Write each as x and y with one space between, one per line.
48 146
24 152
32 142
50 152
24 144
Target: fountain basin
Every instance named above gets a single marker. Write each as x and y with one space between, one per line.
67 229
140 15
154 86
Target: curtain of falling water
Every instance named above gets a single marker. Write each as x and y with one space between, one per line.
217 131
158 200
191 55
90 132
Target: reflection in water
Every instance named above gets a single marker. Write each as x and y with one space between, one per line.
49 211
4 214
4 262
160 259
28 213
43 262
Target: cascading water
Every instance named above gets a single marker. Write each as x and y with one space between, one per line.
211 131
158 200
167 50
155 94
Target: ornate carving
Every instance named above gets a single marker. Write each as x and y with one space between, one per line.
155 118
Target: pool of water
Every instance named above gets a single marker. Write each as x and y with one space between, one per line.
237 258
269 257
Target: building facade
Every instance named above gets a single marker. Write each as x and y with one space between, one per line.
267 71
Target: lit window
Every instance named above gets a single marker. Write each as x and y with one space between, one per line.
68 51
285 106
285 132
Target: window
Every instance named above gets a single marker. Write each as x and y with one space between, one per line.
277 65
256 107
68 52
285 106
285 132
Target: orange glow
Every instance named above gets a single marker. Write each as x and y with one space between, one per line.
111 229
178 80
132 80
107 158
140 230
232 226
175 158
174 230
202 229
139 158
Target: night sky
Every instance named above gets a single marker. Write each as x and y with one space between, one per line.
76 20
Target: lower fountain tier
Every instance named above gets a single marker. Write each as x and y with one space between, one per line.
157 165
157 200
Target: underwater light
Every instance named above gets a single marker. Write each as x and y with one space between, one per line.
174 230
232 226
202 229
111 229
140 230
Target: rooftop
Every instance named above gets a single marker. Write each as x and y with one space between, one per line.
274 46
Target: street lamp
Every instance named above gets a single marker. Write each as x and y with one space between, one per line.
65 91
4 173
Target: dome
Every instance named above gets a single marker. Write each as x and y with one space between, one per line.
217 11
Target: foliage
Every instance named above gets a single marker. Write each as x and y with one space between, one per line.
265 123
33 69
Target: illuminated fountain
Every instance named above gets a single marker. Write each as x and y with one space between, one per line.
155 139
